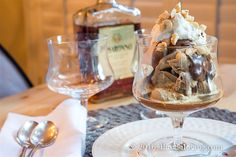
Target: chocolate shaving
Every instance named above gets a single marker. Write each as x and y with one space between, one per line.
163 79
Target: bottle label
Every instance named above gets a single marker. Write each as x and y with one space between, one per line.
120 49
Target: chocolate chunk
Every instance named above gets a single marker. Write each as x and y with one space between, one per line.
158 52
171 50
210 69
197 69
183 84
163 79
180 42
163 63
180 63
184 42
201 67
203 87
156 57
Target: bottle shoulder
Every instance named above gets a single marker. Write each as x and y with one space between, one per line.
108 9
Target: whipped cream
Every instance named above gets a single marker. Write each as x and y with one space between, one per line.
178 24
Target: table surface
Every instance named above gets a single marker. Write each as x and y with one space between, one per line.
40 101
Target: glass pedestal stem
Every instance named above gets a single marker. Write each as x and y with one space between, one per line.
177 123
94 121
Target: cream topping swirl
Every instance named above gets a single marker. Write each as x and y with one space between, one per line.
178 24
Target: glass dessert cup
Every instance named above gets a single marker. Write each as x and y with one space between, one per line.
79 68
177 81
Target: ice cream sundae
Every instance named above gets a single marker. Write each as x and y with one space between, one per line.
183 63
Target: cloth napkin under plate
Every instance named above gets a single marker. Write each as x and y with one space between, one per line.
70 118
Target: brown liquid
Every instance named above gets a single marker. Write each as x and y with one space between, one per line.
179 106
95 30
121 87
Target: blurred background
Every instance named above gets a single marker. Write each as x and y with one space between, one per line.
26 24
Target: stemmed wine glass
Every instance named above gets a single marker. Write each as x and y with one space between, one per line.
178 82
79 67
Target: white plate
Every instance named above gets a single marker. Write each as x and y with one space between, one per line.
115 142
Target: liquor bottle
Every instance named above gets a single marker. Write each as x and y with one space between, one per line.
120 22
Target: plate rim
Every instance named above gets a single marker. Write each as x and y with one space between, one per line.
138 122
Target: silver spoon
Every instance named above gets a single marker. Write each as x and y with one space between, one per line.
23 134
43 135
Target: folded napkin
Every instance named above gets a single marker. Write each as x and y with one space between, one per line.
69 116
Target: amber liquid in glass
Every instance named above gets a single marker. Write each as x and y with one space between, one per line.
120 87
92 29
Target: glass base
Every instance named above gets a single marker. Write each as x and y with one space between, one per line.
190 147
97 122
150 114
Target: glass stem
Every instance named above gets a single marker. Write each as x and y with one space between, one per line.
178 122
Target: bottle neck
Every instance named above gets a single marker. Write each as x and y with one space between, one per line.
106 1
